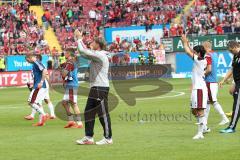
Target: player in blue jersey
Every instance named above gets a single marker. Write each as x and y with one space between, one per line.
69 75
212 84
39 88
46 98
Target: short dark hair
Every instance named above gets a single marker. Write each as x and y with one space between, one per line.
39 57
200 49
101 42
233 44
29 55
71 50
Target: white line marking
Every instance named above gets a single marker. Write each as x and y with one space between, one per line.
23 105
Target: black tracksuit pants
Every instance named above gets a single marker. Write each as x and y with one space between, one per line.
236 109
97 104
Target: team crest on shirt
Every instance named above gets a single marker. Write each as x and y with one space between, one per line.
237 60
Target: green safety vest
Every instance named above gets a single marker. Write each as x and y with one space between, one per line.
62 59
2 65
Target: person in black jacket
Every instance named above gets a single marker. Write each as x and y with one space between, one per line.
234 48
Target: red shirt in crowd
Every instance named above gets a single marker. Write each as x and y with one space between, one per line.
173 31
47 15
115 60
166 32
219 30
127 58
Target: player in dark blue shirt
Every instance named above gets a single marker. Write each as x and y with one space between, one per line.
39 88
46 98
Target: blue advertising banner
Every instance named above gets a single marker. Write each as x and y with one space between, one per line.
134 32
18 63
134 56
184 64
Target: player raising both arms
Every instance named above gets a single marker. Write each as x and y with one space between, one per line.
212 84
47 99
69 75
199 89
39 88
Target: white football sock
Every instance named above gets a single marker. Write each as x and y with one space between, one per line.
40 110
219 109
51 109
201 125
33 112
78 119
41 115
207 111
206 114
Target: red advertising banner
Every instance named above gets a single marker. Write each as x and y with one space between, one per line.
21 78
14 78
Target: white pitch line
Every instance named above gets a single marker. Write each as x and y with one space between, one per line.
159 97
137 99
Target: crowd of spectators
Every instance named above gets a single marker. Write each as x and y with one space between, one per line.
66 17
209 17
19 30
136 45
91 15
145 12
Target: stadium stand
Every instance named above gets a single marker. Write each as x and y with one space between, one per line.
90 15
20 31
211 17
20 28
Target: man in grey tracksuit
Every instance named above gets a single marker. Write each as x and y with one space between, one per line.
97 103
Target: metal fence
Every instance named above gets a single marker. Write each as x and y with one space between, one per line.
49 1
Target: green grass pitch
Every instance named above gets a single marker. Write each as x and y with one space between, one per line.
137 134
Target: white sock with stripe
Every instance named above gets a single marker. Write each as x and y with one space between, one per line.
38 108
42 110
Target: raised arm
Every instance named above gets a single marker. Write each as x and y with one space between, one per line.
186 46
84 51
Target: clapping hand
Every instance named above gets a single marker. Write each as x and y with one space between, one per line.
78 34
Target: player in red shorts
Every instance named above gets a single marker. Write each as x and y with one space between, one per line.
69 75
199 88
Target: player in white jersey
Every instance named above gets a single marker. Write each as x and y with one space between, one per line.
199 89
